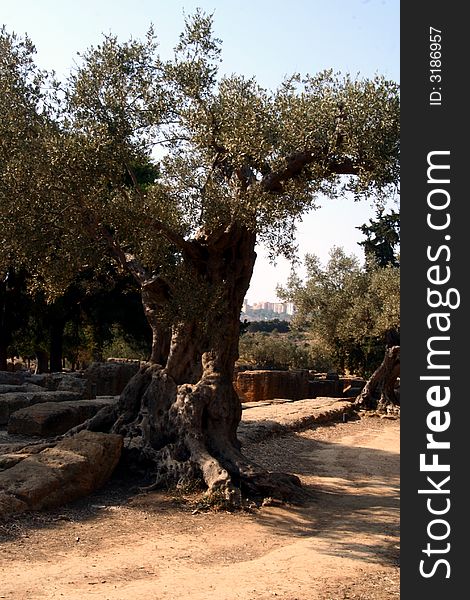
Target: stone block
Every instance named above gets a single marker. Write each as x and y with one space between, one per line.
13 401
24 387
78 384
49 419
109 379
41 379
75 467
7 378
255 386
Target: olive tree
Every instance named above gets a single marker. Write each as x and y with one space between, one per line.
353 312
348 308
238 164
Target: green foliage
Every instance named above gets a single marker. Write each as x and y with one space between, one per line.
124 344
14 306
23 124
73 193
382 239
347 308
98 312
79 343
277 351
275 325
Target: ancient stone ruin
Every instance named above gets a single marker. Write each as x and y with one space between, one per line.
41 407
260 385
38 408
50 404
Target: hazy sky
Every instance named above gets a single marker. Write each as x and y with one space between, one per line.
266 38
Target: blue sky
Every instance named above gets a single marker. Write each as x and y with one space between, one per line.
266 39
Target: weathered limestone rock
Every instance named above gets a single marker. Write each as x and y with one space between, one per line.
264 421
109 379
24 387
9 505
40 379
10 459
7 378
75 467
14 449
80 385
11 402
54 418
261 385
255 386
62 382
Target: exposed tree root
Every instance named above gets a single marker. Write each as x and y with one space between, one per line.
186 435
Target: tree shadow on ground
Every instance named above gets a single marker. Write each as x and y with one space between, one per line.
354 491
355 496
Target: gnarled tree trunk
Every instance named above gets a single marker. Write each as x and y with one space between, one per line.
3 355
56 332
154 295
180 418
379 391
42 361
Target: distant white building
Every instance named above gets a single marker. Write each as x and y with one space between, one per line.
290 308
277 308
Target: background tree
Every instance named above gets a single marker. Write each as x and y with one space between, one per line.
240 164
99 311
349 310
353 312
382 239
15 305
278 325
111 310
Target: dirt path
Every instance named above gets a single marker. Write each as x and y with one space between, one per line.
342 545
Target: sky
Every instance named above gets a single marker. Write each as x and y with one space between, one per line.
268 39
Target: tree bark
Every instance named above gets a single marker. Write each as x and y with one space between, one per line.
180 418
379 391
3 355
11 304
56 332
4 329
42 361
153 298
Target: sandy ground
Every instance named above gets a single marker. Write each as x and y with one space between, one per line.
341 545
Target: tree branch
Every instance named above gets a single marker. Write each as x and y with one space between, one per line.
295 163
